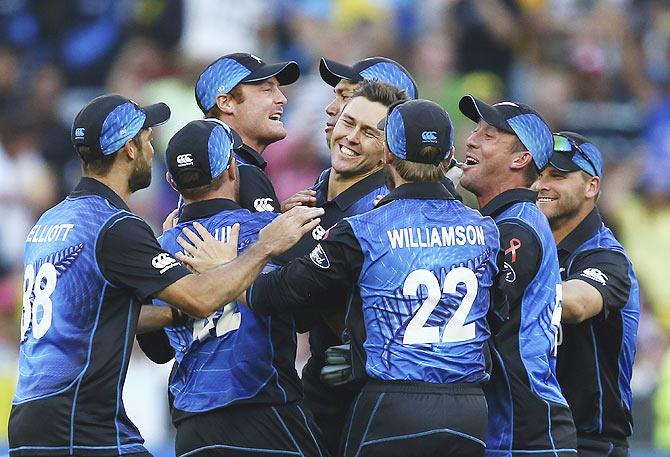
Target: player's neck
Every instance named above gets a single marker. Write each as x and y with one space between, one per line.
561 228
227 192
253 143
486 195
118 183
338 182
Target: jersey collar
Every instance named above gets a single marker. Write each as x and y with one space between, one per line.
502 201
418 191
250 156
582 233
353 193
91 186
207 208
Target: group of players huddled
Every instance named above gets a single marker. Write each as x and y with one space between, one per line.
435 329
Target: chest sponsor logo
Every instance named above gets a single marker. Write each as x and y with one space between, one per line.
318 232
263 204
184 160
318 256
595 275
510 274
163 262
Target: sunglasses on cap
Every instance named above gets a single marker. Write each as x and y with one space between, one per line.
565 149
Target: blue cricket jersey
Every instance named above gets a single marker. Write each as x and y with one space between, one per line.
527 412
595 358
89 265
234 356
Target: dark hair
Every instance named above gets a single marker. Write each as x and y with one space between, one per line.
380 92
100 165
197 193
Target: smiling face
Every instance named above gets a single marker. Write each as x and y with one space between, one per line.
343 92
357 145
256 113
488 156
564 196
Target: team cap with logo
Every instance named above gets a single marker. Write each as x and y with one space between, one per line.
104 125
414 124
205 147
515 118
222 75
372 68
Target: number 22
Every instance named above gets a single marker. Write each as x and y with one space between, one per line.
456 330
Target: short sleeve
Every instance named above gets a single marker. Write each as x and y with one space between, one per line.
129 256
607 271
521 255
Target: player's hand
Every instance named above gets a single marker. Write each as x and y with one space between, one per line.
285 231
337 370
203 252
171 220
305 197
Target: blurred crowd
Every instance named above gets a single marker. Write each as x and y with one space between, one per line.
598 67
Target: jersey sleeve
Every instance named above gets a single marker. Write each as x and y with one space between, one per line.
256 191
129 256
607 271
332 266
521 255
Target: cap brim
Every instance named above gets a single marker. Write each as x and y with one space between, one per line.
563 162
156 114
475 109
381 125
333 72
285 72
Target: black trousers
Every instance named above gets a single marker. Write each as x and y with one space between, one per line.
250 431
587 447
408 419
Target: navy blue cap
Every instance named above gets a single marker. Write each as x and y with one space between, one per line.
104 125
573 152
414 124
222 75
372 68
515 118
204 146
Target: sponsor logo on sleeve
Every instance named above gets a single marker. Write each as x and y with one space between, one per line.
163 262
595 275
263 204
319 257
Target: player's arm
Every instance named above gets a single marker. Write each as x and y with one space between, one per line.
154 318
598 283
331 267
521 257
201 294
130 256
256 191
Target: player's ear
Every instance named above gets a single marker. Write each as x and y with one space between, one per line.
225 103
592 186
522 159
388 157
130 149
233 172
170 181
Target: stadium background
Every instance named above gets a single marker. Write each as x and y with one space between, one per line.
601 67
